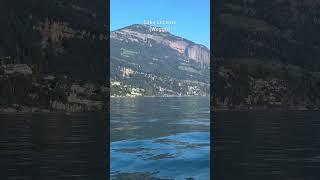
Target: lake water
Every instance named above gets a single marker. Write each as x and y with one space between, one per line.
266 145
160 138
44 146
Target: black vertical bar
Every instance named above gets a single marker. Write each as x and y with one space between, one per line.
107 29
212 70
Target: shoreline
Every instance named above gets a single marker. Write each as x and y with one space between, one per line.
154 96
220 109
10 110
49 112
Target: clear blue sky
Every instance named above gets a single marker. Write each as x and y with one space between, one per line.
192 16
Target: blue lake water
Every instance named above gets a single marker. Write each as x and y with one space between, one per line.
160 138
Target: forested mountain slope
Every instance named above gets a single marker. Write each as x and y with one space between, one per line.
152 63
53 55
267 54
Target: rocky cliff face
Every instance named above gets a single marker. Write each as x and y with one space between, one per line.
198 53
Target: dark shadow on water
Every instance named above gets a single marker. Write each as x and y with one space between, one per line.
266 145
53 146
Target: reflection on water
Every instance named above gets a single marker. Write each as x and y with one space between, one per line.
160 138
267 145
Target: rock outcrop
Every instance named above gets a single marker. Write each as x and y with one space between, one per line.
198 53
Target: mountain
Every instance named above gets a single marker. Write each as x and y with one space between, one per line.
157 63
53 56
267 54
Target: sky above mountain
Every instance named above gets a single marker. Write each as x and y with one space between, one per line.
192 18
